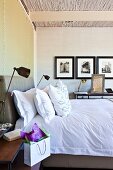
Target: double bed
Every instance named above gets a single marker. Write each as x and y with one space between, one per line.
83 139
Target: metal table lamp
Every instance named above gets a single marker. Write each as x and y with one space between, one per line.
81 81
22 71
45 76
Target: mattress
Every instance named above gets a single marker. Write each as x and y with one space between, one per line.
88 130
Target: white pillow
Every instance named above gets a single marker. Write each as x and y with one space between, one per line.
63 88
44 105
61 103
24 102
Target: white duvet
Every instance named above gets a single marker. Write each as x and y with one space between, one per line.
88 130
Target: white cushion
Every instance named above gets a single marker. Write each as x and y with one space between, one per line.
44 105
63 88
24 102
61 103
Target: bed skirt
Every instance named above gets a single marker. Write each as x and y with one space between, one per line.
73 161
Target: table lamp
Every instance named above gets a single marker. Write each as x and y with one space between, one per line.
45 76
81 81
22 71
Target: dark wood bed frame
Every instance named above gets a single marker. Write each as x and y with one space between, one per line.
55 160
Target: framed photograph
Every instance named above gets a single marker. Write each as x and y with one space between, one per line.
85 67
105 66
64 67
97 83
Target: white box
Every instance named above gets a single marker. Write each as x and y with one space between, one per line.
35 152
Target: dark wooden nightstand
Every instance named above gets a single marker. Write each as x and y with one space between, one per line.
9 151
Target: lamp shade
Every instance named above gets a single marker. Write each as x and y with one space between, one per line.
81 81
22 71
46 77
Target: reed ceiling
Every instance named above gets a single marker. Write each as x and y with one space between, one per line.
69 13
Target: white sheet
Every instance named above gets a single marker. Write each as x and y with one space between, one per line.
88 130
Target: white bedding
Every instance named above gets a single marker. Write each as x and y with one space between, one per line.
88 130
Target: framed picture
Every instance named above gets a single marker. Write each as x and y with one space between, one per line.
64 67
97 83
85 67
105 66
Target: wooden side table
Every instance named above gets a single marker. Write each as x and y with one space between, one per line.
9 151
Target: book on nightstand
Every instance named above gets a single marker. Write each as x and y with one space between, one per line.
12 135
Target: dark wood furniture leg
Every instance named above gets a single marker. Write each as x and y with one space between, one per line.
9 166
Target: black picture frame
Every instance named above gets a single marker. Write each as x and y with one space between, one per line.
64 67
105 66
85 67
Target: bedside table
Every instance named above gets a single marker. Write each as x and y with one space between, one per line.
9 151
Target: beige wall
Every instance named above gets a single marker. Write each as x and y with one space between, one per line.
16 38
51 42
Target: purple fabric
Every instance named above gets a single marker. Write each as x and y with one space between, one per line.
35 135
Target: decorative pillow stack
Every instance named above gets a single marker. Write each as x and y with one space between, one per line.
44 105
24 102
60 99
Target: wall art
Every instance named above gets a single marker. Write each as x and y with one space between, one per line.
64 67
97 83
85 67
105 66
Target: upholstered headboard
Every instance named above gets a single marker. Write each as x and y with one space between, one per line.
18 83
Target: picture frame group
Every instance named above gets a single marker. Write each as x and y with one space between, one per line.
83 67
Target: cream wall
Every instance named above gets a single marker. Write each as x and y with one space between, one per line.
1 34
50 42
16 38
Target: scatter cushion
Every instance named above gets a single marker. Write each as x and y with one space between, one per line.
61 103
44 105
24 102
63 88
